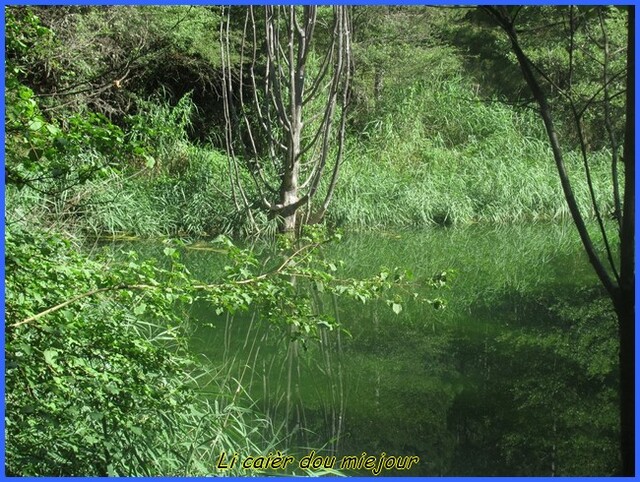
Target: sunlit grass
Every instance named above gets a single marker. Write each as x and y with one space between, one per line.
431 155
440 157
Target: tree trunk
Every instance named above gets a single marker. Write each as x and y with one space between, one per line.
289 181
286 157
625 301
626 326
288 199
622 289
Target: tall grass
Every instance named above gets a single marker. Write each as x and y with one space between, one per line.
432 154
439 155
182 189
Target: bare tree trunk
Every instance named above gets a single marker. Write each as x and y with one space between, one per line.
293 109
288 198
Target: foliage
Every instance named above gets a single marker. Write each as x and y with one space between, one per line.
440 155
568 44
27 41
41 149
98 57
585 57
41 154
99 387
47 152
99 379
424 146
491 167
113 125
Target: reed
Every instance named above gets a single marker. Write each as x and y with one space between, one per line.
440 157
433 153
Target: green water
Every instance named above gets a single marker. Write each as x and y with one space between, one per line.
516 376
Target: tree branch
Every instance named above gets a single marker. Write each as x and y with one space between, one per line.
526 67
205 287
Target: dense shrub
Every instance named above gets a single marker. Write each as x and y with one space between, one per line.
440 155
104 385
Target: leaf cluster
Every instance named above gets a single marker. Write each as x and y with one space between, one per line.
102 384
99 378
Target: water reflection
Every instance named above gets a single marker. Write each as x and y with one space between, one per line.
517 376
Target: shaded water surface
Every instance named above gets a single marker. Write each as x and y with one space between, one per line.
516 376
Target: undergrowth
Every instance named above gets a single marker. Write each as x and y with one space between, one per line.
100 378
440 156
436 155
99 388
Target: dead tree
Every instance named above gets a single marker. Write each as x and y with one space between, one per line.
289 131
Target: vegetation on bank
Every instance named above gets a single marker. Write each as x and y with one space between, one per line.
423 150
99 377
104 385
395 175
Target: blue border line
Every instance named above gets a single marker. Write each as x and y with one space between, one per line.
637 104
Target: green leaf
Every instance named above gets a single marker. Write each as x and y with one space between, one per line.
326 324
140 309
397 308
36 125
25 93
53 130
50 356
25 348
97 416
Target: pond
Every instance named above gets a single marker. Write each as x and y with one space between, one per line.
517 375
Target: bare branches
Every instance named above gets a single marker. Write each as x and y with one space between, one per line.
613 141
288 121
234 177
621 289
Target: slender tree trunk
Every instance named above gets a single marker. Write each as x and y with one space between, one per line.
626 326
288 198
289 182
622 289
625 302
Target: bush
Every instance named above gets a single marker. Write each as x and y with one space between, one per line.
104 385
440 155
